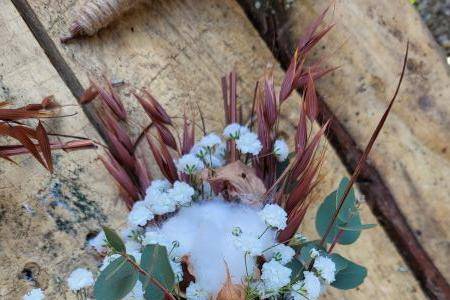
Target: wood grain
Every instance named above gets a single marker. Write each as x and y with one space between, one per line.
179 50
45 218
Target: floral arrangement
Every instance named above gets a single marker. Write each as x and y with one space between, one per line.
222 222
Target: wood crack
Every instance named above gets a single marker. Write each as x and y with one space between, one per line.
55 57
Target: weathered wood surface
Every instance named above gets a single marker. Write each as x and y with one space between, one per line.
412 154
179 50
44 219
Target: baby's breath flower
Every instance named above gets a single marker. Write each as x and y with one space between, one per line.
249 143
80 278
189 164
307 289
162 204
157 187
325 268
281 253
34 294
181 193
299 238
274 216
195 292
249 243
281 150
140 214
313 253
99 242
234 130
275 275
209 141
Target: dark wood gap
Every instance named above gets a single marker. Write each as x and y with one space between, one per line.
56 59
273 28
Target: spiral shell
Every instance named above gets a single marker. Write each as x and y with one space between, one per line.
97 14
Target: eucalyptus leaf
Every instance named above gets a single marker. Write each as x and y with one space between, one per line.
350 277
340 262
297 269
358 227
348 207
305 251
116 280
114 240
155 262
347 217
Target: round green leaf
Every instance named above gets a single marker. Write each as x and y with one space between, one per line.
155 262
350 277
116 280
325 214
297 269
340 262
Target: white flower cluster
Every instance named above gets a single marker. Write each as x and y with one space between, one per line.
34 294
160 198
195 292
79 279
313 283
246 141
281 150
274 216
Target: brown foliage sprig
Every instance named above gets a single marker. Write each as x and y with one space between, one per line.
35 140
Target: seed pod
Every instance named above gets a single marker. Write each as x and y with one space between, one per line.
95 15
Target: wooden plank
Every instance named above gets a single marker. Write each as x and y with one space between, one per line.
179 49
45 219
411 156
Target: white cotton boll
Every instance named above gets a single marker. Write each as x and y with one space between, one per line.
162 204
204 232
140 214
79 279
34 294
234 131
98 242
274 216
281 150
281 253
210 141
195 292
107 260
132 246
275 275
309 288
249 143
189 164
181 193
325 268
137 293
